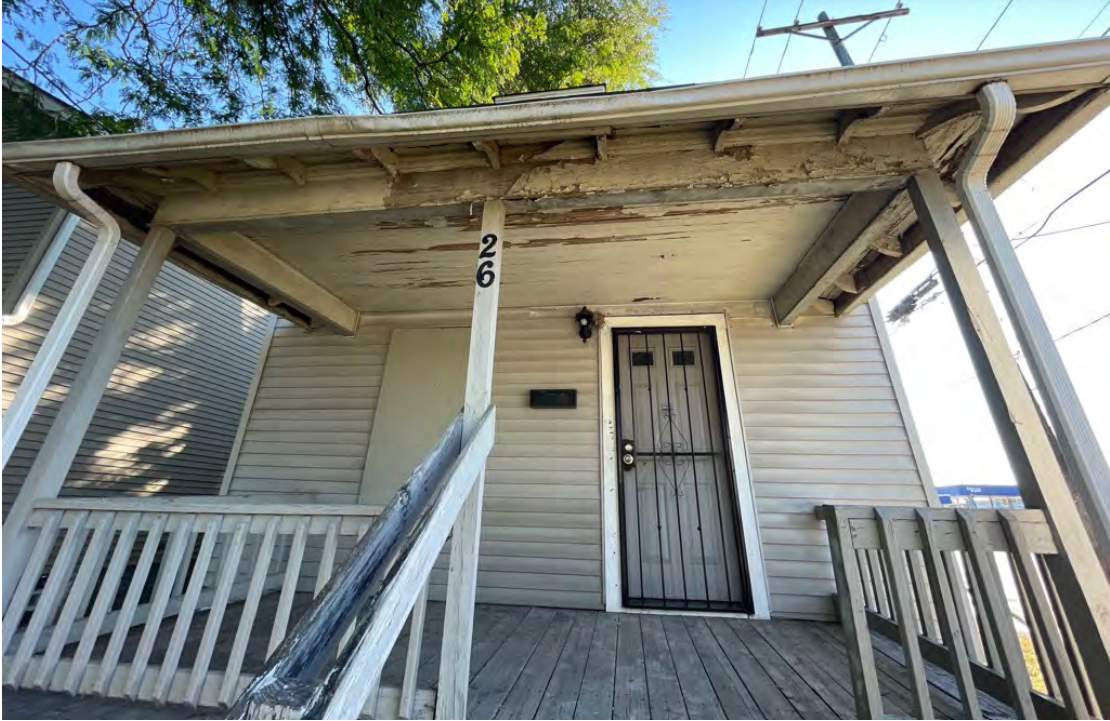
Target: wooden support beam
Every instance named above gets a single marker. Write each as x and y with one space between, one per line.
721 140
816 169
293 168
1084 588
836 251
491 150
846 283
381 157
462 575
247 259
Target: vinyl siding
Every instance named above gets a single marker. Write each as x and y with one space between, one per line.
168 419
309 429
820 415
25 217
823 425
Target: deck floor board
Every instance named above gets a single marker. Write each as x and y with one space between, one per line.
531 662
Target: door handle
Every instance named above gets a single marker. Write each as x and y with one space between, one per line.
628 454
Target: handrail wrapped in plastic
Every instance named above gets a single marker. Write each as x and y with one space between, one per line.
379 585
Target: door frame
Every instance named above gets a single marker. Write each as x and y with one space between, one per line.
737 447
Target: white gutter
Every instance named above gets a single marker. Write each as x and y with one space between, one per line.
1085 62
61 234
46 361
1087 474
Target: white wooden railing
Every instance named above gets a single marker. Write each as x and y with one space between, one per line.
383 583
932 579
106 574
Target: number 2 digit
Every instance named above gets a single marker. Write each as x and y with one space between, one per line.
488 241
485 275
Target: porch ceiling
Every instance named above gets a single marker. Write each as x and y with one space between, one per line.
690 252
279 212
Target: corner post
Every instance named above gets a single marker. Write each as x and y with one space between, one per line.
1087 470
1084 588
462 578
52 464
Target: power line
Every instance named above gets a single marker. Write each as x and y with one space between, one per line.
882 36
1085 326
1096 17
1068 199
786 47
996 21
758 25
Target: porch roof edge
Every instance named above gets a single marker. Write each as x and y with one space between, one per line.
1027 68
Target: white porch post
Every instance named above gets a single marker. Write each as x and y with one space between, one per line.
1088 472
1084 588
56 455
462 579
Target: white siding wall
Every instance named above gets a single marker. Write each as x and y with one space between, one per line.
823 426
820 415
168 419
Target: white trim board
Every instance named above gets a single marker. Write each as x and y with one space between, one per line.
248 407
734 430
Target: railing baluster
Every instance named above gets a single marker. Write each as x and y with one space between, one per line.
973 642
29 581
867 582
228 572
903 608
952 633
86 576
230 686
997 615
922 596
1073 654
327 556
1027 617
130 603
167 579
412 659
211 533
56 582
1040 614
289 585
106 595
853 615
882 583
990 648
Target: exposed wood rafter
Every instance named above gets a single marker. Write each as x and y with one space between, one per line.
293 168
381 157
837 250
247 259
602 142
202 177
888 245
491 150
721 140
848 122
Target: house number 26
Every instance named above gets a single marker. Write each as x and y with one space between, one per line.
486 275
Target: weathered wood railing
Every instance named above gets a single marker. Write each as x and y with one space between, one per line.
383 582
933 579
106 578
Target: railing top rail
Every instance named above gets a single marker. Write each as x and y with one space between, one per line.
864 520
230 505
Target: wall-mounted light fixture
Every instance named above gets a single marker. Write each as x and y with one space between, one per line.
587 321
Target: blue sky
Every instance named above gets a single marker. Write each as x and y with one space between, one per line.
709 40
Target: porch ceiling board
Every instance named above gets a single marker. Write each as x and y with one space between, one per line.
738 250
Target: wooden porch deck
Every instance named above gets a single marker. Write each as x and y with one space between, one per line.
530 662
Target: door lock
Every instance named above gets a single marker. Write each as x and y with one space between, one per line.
628 455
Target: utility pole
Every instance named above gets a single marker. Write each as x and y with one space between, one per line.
828 26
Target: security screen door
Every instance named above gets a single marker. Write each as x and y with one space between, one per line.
680 532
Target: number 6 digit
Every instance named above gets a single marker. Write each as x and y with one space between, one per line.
485 276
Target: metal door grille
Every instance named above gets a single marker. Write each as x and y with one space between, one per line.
681 543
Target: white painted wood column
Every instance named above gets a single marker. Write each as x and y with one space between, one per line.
30 390
1088 472
462 578
56 455
1084 588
